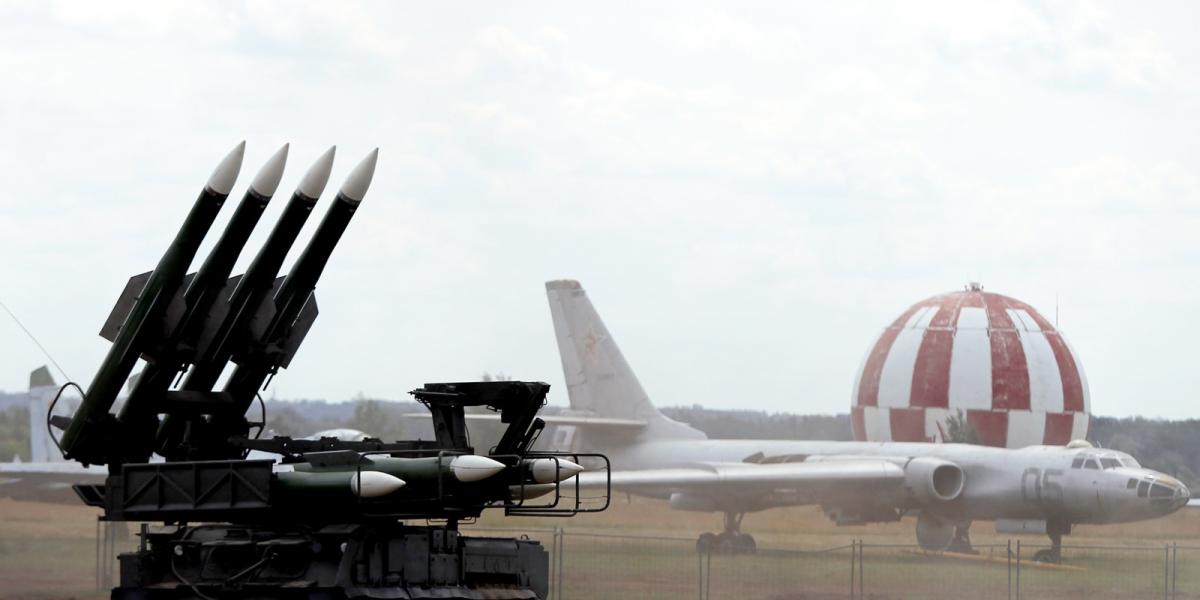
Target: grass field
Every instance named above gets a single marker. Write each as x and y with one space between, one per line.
48 551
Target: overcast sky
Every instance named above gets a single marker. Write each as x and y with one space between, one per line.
749 192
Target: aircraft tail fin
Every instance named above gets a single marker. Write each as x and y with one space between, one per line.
41 390
600 382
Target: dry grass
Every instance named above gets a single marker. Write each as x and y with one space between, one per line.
48 551
807 526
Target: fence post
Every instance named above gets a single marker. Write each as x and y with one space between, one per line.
1174 566
853 558
560 551
1166 571
708 575
1009 555
862 590
1018 595
555 593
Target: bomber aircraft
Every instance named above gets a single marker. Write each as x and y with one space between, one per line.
1042 489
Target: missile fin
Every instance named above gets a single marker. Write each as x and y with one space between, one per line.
125 302
219 310
263 313
120 310
223 177
299 329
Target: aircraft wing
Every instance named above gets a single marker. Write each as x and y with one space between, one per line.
606 422
742 477
46 481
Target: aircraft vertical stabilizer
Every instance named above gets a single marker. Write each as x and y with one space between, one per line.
41 390
599 380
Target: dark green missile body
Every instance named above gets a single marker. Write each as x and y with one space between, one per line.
252 290
203 293
258 361
89 436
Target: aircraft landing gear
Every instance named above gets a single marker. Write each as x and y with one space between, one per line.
729 541
962 539
1056 530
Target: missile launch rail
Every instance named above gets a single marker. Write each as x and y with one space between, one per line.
247 518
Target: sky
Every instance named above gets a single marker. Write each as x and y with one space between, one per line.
749 192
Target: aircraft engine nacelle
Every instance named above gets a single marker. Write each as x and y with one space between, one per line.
933 480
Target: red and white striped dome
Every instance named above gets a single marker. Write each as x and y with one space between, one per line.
1014 377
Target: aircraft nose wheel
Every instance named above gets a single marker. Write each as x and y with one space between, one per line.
1053 554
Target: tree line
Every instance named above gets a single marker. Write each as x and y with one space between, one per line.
1172 447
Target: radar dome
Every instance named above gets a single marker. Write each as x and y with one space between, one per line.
1011 373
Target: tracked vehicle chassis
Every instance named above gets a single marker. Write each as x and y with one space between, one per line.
331 562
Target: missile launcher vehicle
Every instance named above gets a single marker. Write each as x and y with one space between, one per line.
228 514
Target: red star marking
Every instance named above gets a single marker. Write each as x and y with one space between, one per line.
589 343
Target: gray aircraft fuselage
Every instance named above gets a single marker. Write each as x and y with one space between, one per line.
1035 483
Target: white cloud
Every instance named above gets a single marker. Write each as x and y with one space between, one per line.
759 188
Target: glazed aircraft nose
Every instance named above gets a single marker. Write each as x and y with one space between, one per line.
1182 495
1168 495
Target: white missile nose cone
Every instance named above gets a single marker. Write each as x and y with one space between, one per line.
267 180
373 484
550 470
472 467
317 176
221 180
360 178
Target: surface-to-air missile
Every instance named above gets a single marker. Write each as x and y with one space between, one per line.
91 432
373 477
203 291
250 300
323 519
260 360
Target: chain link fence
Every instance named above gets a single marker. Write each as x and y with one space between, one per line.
594 565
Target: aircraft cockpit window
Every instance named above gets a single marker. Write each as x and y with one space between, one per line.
1142 488
1091 464
1161 491
1078 463
1132 484
1109 463
1130 462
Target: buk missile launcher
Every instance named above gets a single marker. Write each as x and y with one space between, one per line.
319 518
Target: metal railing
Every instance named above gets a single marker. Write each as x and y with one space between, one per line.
596 565
601 565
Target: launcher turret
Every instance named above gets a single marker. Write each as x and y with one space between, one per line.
207 318
143 314
312 518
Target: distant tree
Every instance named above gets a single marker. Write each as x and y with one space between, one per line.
14 434
377 419
1125 443
286 420
959 431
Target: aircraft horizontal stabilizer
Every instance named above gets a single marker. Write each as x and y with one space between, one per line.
599 422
